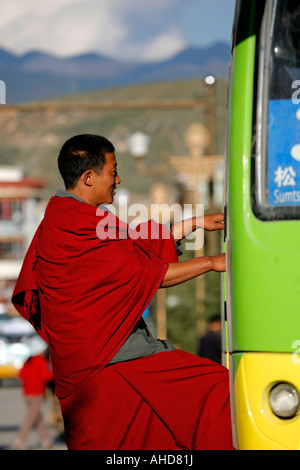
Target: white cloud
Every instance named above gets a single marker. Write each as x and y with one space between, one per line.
135 29
164 45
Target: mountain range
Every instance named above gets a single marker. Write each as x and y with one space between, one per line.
38 76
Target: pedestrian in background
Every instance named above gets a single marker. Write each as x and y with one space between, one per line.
34 376
210 345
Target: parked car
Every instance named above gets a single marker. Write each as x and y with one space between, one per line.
15 334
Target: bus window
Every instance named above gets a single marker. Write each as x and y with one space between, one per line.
276 179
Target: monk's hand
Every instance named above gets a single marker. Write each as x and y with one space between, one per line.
211 222
219 263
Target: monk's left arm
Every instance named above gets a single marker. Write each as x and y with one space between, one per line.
209 222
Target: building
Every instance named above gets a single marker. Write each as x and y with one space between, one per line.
21 210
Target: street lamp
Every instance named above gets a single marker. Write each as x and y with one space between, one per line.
196 168
138 145
197 139
210 80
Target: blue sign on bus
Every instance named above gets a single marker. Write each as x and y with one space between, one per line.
284 154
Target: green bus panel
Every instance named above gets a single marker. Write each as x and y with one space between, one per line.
263 288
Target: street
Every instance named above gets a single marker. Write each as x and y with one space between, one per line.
12 413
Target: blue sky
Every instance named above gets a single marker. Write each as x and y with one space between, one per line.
129 29
207 21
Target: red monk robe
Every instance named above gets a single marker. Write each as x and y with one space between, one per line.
84 295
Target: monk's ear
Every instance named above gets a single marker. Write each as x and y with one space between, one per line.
87 178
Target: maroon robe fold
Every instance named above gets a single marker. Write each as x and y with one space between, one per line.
84 294
85 282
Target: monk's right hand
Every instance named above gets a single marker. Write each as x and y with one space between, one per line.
219 263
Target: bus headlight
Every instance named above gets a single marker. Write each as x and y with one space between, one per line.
284 400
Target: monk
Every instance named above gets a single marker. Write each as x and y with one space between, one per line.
85 282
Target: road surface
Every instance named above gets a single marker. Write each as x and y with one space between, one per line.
12 412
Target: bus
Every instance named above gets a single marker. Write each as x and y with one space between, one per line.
262 225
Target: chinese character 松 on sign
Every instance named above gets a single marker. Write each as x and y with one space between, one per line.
285 176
